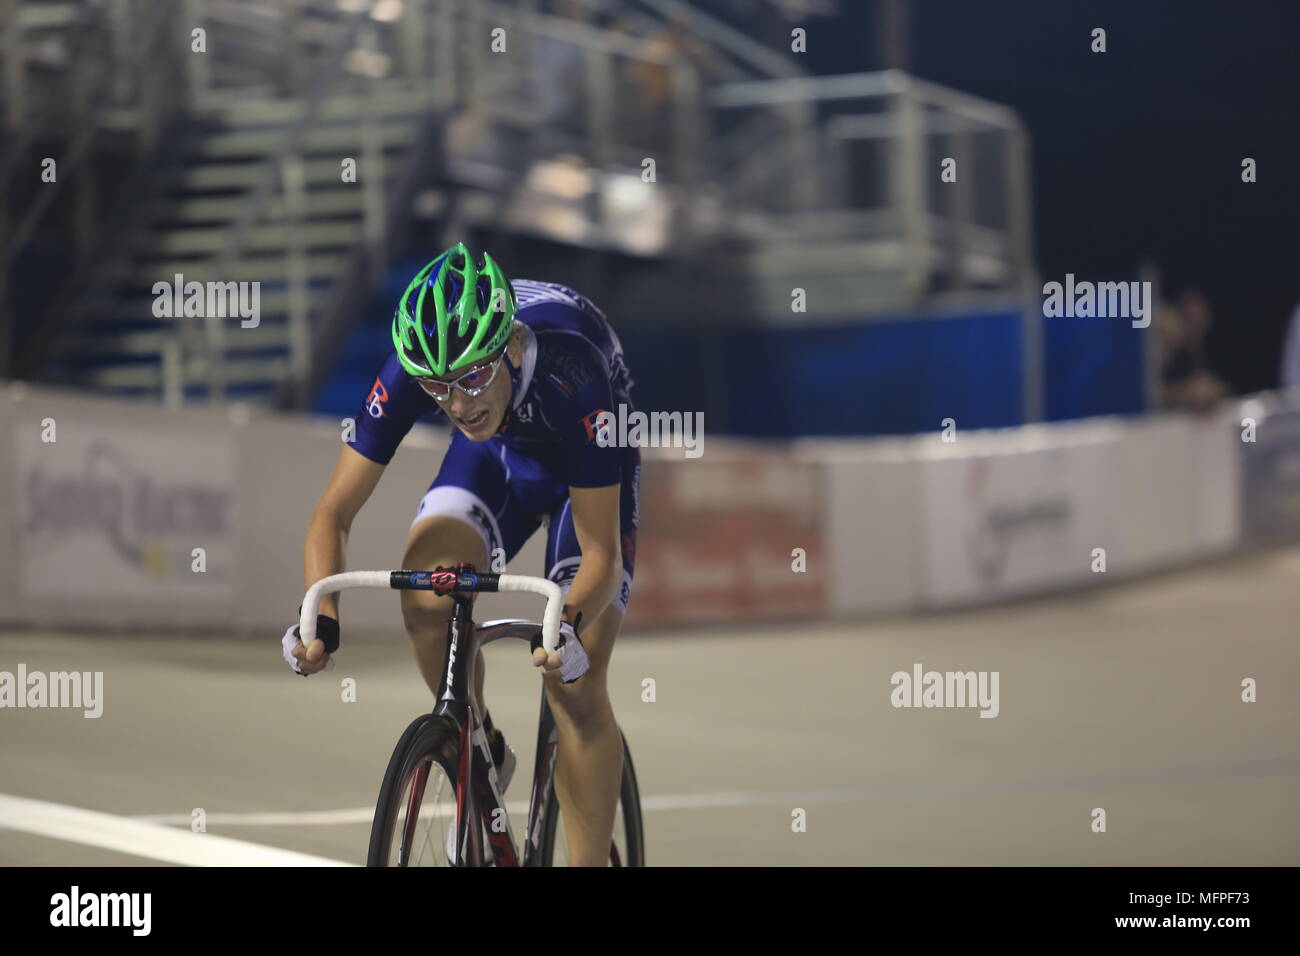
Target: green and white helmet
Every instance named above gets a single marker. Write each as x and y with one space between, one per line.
455 313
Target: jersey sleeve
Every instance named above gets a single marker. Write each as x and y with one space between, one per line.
394 404
580 380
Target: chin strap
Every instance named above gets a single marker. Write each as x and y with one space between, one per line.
516 374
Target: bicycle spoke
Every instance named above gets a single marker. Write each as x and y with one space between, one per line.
420 814
432 816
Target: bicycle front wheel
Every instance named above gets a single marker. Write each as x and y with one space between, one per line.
417 801
626 848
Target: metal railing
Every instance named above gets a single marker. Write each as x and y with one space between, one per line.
270 48
861 155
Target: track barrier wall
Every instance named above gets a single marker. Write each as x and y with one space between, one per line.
100 525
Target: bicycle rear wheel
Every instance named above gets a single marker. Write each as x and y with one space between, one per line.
417 801
627 848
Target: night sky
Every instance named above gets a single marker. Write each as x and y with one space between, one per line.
1137 151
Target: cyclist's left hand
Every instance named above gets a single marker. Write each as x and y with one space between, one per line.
314 657
570 658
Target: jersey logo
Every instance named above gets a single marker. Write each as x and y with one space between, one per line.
589 423
567 372
525 413
565 574
376 399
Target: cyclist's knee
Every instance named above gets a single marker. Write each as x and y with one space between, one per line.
443 540
425 615
436 541
585 702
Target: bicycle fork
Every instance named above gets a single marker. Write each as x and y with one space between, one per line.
479 808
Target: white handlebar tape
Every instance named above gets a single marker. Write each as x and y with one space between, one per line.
554 603
335 582
382 579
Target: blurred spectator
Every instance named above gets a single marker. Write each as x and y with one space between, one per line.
644 95
646 84
1186 380
1289 376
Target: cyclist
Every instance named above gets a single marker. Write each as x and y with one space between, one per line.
521 370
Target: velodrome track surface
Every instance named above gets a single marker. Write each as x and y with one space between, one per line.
1126 698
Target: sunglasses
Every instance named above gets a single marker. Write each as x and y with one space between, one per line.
472 383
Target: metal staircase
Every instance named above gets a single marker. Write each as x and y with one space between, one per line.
245 184
227 168
186 228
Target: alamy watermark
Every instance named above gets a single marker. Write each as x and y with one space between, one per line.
75 908
626 428
922 688
1102 300
208 300
84 690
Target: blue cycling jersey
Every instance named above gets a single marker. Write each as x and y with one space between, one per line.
572 369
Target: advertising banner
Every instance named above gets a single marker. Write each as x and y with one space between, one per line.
734 539
1012 524
116 514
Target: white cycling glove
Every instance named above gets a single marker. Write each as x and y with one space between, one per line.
289 642
573 656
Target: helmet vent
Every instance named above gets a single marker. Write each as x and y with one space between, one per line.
483 288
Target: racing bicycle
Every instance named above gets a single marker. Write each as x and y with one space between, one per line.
440 802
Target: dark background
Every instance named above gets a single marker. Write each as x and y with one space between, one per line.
1137 151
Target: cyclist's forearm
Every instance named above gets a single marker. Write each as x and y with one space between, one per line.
324 551
593 586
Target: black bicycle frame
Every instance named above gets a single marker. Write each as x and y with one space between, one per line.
478 794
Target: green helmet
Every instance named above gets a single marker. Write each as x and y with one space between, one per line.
453 314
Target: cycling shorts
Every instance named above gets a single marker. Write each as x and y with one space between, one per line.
506 495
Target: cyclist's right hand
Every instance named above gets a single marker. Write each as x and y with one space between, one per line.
569 657
316 656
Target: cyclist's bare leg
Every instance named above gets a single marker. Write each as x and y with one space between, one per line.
589 765
446 541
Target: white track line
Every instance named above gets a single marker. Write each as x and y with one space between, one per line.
515 808
308 818
141 838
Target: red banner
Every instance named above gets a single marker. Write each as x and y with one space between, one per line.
734 539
